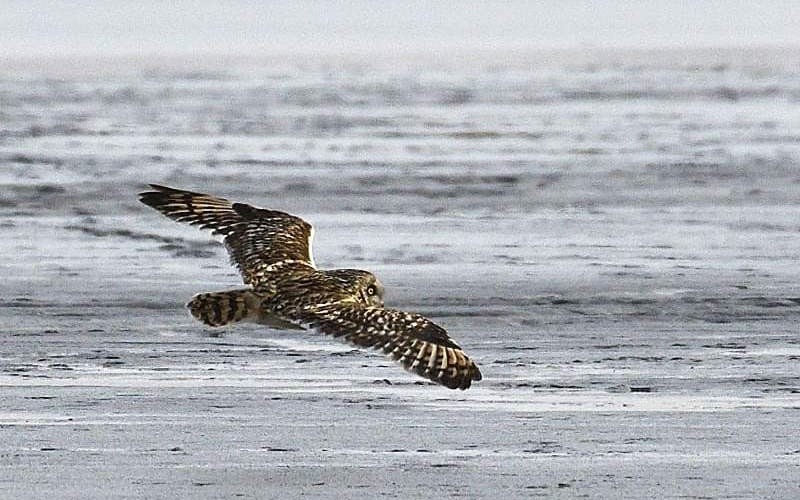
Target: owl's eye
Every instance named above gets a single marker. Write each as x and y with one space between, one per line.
371 290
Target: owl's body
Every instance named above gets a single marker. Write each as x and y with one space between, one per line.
295 286
272 250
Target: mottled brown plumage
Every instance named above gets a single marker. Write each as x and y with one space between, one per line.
259 241
272 250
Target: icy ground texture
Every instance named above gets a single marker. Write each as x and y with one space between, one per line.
613 236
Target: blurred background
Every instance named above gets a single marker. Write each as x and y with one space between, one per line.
47 28
598 200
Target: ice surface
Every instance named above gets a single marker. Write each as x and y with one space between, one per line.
614 237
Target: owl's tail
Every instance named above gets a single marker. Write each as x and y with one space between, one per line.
223 308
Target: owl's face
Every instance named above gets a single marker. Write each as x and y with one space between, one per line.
361 285
371 290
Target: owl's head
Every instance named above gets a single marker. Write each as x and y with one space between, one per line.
372 291
363 285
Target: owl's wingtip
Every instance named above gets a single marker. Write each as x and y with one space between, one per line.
476 375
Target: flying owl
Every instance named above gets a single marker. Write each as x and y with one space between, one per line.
272 251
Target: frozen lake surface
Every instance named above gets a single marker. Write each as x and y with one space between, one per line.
613 236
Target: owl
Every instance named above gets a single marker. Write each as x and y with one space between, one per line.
285 290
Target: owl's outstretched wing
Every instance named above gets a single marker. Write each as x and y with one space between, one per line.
417 343
259 241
